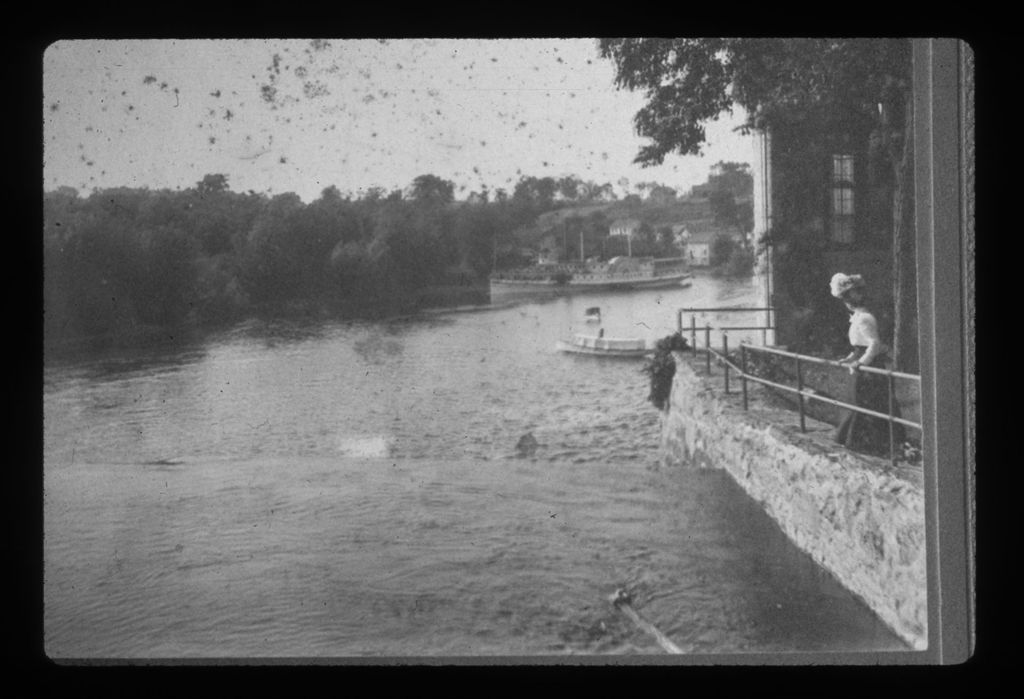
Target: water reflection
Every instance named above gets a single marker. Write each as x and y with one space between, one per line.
108 364
278 332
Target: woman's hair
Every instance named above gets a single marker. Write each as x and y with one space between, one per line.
856 292
841 284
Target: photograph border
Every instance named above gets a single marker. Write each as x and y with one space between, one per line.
944 163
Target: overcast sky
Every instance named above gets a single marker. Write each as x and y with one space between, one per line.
299 116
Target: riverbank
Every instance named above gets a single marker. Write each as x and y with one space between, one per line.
435 299
857 518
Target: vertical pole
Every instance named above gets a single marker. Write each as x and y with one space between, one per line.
707 346
725 353
764 336
693 332
800 394
743 376
892 425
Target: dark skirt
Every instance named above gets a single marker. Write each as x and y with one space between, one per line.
867 433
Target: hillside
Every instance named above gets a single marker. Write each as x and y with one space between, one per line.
694 211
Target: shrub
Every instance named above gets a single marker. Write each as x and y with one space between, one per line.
661 368
722 248
740 263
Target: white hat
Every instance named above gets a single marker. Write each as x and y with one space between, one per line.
841 283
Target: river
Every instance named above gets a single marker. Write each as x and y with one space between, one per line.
352 489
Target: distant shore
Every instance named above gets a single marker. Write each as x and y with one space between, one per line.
436 299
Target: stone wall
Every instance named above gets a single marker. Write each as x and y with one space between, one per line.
855 516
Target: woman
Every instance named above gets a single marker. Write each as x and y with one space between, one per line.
858 431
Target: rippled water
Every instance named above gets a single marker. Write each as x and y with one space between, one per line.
352 489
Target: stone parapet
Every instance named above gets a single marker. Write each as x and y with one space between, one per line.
856 517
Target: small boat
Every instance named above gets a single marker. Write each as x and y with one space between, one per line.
593 314
600 346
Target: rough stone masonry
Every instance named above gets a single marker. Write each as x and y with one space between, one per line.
858 519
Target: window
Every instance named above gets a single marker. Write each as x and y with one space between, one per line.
842 198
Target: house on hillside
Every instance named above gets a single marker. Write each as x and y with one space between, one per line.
550 250
697 250
697 238
699 246
624 227
679 234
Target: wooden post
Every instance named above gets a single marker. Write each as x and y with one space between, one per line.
621 601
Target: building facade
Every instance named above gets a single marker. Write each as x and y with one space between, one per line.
823 203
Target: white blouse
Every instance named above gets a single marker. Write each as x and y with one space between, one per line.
864 333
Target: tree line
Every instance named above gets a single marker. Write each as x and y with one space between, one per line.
125 259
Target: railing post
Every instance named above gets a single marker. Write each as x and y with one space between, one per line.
892 425
693 333
800 393
743 376
725 354
707 346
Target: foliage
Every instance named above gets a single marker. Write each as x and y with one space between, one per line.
740 263
722 248
724 208
432 189
801 274
835 85
689 82
730 258
661 368
734 178
125 259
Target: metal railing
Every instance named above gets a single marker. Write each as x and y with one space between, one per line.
801 361
693 311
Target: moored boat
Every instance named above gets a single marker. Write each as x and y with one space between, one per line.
619 273
601 346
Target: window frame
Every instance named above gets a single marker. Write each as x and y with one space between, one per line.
842 195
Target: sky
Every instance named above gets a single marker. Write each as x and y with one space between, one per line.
300 116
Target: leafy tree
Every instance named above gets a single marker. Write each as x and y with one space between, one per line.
539 193
212 184
722 247
734 178
724 208
632 202
661 194
568 188
645 239
271 266
740 263
432 189
165 294
667 242
856 83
